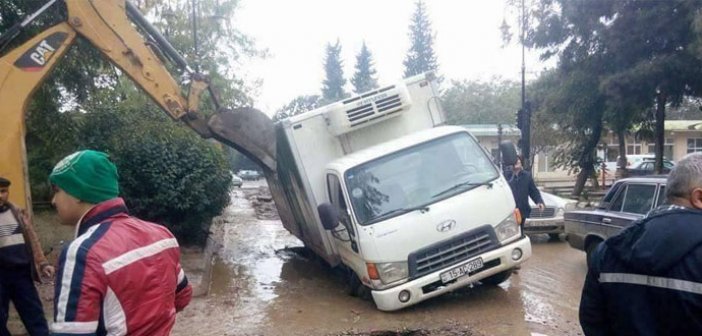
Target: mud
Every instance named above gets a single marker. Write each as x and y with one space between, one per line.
264 282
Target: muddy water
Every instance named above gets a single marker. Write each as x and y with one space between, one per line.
264 283
550 285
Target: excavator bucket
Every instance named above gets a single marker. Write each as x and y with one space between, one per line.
248 130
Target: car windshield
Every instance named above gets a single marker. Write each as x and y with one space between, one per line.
416 177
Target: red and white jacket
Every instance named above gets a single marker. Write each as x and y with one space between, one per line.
120 276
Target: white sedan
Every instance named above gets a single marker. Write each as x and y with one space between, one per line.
237 181
550 220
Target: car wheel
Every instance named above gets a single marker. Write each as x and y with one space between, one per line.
590 249
554 236
498 278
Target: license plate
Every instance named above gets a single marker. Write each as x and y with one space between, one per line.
462 270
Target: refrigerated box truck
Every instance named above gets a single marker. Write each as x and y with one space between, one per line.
410 208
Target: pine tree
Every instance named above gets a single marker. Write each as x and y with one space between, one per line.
333 85
298 105
364 78
420 57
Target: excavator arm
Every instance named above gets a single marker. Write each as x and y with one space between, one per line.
109 25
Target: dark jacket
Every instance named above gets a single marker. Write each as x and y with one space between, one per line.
523 187
648 279
31 243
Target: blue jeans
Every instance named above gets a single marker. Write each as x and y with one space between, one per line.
16 284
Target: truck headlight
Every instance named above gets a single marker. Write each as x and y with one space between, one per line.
393 271
507 229
560 212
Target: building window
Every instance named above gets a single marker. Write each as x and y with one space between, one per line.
667 148
544 163
613 141
612 153
634 148
694 145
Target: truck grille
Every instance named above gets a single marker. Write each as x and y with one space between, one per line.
452 251
547 213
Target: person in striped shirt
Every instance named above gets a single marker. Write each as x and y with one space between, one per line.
21 263
121 275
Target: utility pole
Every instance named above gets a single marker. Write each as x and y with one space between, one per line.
499 141
197 53
524 114
521 39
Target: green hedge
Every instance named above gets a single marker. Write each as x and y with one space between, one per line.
168 174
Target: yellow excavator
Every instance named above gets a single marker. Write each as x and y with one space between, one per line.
111 27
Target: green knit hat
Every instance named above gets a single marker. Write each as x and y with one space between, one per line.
87 175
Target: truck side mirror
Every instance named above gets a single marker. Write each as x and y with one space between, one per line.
509 153
329 215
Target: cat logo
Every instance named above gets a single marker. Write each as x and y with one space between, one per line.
42 52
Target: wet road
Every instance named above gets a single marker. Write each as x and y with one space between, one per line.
264 284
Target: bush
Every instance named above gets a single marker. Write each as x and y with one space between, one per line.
168 174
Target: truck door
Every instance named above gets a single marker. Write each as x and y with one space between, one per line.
346 240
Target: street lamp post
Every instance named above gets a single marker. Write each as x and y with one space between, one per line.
526 107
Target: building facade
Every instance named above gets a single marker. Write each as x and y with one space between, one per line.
489 135
681 138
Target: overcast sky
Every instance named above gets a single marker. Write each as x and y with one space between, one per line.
468 41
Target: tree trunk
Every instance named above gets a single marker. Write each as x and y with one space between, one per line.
661 99
580 183
621 161
594 180
587 157
586 164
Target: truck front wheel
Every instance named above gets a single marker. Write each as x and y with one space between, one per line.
498 278
355 287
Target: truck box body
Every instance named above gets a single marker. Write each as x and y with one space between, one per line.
307 143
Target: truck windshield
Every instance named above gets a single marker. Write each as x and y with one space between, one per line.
416 177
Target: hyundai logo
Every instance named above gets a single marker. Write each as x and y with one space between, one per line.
446 225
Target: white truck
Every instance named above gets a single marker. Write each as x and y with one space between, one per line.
408 207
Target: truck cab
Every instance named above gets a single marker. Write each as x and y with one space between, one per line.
422 215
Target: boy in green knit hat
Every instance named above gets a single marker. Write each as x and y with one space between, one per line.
83 179
121 274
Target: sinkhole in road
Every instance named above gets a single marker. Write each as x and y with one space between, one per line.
446 331
392 333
